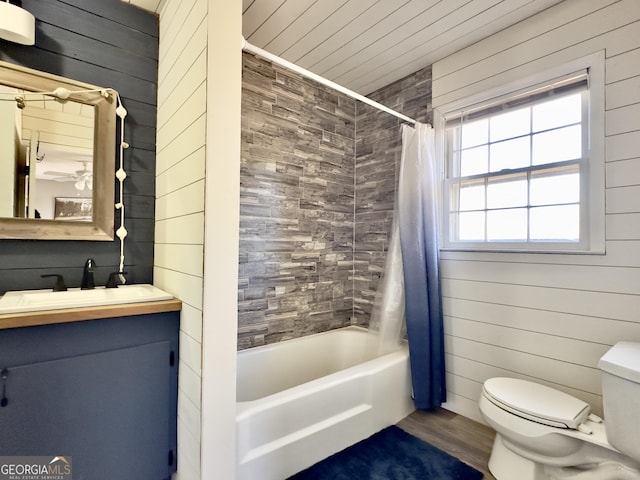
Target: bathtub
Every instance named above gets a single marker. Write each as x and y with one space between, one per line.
302 400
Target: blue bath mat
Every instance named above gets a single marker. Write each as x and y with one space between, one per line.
391 454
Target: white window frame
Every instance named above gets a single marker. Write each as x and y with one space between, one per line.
592 171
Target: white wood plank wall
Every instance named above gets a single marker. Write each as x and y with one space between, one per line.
549 317
66 127
180 187
9 139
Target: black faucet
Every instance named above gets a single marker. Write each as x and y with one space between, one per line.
87 275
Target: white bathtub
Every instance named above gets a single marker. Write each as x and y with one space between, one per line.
302 400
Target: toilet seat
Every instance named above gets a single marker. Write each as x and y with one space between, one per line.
536 402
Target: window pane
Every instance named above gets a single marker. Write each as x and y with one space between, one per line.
553 189
563 111
510 154
475 133
511 124
557 145
507 224
504 194
518 167
472 197
474 161
560 222
471 226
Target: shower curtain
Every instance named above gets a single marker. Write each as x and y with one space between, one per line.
408 294
418 226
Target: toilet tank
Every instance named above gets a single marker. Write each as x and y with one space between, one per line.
621 396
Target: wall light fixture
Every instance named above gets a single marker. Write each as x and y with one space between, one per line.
16 24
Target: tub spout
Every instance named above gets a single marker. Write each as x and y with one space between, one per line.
87 275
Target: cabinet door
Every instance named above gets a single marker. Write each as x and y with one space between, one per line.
108 411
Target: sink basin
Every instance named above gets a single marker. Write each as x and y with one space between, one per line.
38 300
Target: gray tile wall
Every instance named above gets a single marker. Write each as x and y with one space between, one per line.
296 206
306 175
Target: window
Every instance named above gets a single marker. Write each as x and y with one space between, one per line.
520 172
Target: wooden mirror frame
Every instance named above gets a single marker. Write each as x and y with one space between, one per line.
101 226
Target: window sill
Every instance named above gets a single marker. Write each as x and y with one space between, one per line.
524 250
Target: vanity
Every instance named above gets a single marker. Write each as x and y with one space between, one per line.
84 374
96 384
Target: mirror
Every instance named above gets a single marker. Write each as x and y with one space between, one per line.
57 157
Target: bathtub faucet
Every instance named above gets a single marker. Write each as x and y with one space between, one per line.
87 275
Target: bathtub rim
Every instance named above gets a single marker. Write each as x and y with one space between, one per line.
245 408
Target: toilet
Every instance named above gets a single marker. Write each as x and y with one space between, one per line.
546 434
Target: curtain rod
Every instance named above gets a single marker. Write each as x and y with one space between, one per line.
247 47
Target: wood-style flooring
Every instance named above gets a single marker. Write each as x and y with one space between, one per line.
459 436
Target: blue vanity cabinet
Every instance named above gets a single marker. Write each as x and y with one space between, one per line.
103 392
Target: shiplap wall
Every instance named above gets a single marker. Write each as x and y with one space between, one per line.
67 127
548 317
180 187
111 44
9 138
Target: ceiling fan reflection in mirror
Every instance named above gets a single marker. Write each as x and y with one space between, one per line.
82 178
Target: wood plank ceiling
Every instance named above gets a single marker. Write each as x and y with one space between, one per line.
367 44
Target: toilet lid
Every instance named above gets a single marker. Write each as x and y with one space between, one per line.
536 402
